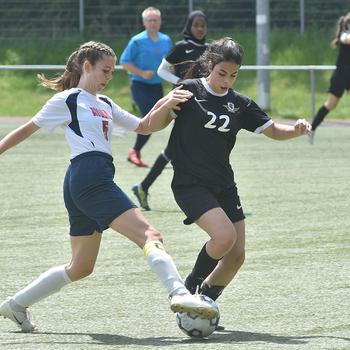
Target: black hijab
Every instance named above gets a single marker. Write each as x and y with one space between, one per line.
187 30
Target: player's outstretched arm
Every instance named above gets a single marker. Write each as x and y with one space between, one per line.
18 135
279 131
160 115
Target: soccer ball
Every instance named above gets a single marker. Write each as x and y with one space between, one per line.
196 327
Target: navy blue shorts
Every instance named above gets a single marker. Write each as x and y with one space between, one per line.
195 200
146 95
91 197
340 81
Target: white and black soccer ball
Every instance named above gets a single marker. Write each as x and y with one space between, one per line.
196 327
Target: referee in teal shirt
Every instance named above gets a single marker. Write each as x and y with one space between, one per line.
142 58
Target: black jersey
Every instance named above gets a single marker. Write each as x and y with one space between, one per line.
204 134
182 52
343 58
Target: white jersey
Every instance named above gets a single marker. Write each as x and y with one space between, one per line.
87 120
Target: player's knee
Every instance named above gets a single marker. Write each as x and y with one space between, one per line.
226 240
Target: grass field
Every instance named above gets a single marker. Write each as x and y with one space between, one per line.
292 293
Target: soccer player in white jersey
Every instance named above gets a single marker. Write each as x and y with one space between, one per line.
201 142
93 201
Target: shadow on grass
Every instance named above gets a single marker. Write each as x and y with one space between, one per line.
226 336
177 211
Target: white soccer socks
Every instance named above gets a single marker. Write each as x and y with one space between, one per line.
163 266
46 284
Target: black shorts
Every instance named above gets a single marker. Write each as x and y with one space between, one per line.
91 197
195 200
340 81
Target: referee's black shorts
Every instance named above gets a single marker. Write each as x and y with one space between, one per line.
195 200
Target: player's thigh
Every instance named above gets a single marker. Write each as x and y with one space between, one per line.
133 225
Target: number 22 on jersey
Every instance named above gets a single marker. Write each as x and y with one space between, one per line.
216 122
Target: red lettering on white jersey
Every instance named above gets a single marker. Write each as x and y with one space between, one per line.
96 112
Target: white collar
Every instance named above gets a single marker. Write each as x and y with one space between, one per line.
210 90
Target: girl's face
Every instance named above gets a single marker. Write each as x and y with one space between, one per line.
95 78
199 27
223 76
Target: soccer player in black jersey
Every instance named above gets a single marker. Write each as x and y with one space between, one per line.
340 80
200 144
173 69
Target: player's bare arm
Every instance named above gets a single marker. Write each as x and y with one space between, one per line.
159 117
18 135
281 132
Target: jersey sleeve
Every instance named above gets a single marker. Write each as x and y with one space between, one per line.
255 119
170 43
343 37
54 113
173 55
123 121
165 71
128 55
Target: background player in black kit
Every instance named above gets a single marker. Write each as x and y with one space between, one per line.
173 69
201 141
340 80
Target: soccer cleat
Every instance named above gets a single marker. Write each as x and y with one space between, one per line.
193 284
311 136
141 195
135 158
23 319
220 328
195 304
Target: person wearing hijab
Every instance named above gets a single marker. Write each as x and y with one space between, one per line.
176 62
173 68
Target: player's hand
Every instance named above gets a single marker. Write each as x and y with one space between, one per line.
177 96
302 127
147 74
